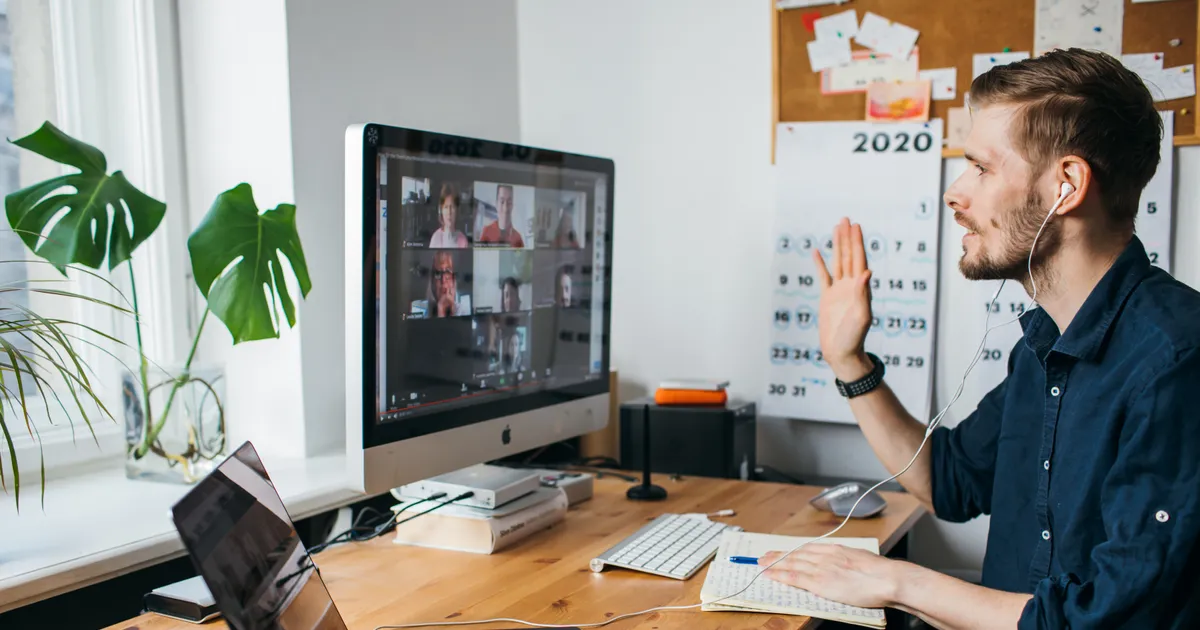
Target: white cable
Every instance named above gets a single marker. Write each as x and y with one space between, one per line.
933 424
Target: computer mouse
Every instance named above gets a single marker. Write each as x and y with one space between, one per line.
840 499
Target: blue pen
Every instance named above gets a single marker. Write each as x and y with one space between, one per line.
743 560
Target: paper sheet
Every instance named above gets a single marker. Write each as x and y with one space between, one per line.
1143 63
958 127
944 82
867 67
982 62
898 102
828 53
800 4
842 25
1090 24
725 578
873 31
1171 83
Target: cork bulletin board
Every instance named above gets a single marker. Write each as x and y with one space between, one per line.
952 31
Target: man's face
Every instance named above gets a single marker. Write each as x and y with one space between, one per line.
508 297
504 206
443 276
565 286
996 199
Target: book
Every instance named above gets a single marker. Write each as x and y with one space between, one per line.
690 397
765 595
476 530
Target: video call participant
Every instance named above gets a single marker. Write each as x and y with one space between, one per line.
442 297
514 359
565 237
562 289
448 236
501 231
510 295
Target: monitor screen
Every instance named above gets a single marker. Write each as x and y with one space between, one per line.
243 543
491 278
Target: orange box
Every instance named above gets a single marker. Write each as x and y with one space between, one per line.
690 397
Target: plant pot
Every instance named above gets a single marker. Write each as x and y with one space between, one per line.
190 440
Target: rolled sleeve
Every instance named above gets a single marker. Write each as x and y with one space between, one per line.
1144 574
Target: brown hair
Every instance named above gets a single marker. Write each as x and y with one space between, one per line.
1084 103
448 191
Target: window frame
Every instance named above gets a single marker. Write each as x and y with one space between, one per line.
116 86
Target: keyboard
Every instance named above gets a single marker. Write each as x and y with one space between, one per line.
672 545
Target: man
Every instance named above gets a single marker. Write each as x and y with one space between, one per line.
562 285
501 230
442 298
1087 456
510 295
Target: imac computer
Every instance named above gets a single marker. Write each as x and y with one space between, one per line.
477 300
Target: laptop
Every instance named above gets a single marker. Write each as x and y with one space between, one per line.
244 545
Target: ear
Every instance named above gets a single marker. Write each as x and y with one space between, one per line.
1073 170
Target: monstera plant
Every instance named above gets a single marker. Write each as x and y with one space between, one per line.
92 217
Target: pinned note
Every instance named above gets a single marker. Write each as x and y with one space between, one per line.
873 31
944 82
1090 24
1143 63
983 62
1171 83
842 25
898 102
799 4
828 53
958 127
867 68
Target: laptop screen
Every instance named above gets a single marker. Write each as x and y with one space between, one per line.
242 541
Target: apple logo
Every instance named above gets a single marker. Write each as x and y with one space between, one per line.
506 435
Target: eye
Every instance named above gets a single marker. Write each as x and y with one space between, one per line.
980 168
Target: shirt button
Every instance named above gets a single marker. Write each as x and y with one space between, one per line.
1045 534
1055 391
1046 464
1162 516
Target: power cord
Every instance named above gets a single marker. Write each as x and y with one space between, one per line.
364 531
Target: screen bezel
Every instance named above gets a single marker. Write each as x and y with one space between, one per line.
377 137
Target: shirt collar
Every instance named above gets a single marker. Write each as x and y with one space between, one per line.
1087 332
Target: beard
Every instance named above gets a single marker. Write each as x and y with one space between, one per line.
1019 229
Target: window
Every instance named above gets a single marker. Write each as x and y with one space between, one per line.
100 79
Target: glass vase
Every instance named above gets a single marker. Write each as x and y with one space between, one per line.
187 442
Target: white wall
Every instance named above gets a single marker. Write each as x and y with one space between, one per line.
233 75
447 65
678 93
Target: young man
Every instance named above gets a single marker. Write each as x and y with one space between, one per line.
501 231
1087 456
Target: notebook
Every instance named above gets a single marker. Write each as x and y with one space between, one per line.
766 595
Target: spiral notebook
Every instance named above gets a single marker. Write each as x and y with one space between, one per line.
769 596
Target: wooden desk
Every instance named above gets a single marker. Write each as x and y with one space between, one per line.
546 578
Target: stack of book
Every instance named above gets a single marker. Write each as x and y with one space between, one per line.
479 530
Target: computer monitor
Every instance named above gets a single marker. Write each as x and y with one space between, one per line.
477 300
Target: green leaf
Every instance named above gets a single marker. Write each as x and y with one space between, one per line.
235 254
100 211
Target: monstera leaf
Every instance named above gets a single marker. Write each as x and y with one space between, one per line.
235 254
85 233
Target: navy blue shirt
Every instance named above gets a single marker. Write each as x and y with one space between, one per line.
1087 458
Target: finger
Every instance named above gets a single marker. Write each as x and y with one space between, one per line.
822 271
847 249
858 252
837 251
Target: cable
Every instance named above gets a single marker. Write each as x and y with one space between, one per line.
933 424
376 530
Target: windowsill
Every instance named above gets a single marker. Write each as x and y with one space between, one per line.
101 525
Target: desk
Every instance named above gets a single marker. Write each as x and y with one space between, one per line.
546 578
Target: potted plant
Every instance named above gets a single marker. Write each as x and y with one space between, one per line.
175 422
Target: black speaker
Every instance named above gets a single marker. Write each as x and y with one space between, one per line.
698 441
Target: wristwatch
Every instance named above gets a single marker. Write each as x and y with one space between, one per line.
864 384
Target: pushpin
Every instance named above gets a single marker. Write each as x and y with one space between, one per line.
1186 69
1157 56
1006 49
1183 112
992 59
1175 42
872 55
1097 29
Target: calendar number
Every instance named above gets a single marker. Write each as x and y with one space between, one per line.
916 323
805 281
991 307
1016 307
779 389
782 317
895 360
919 285
1154 258
1152 207
899 143
992 354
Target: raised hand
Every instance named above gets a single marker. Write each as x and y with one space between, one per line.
844 314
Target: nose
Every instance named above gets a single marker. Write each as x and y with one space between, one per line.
954 197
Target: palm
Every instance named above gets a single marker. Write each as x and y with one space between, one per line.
844 313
